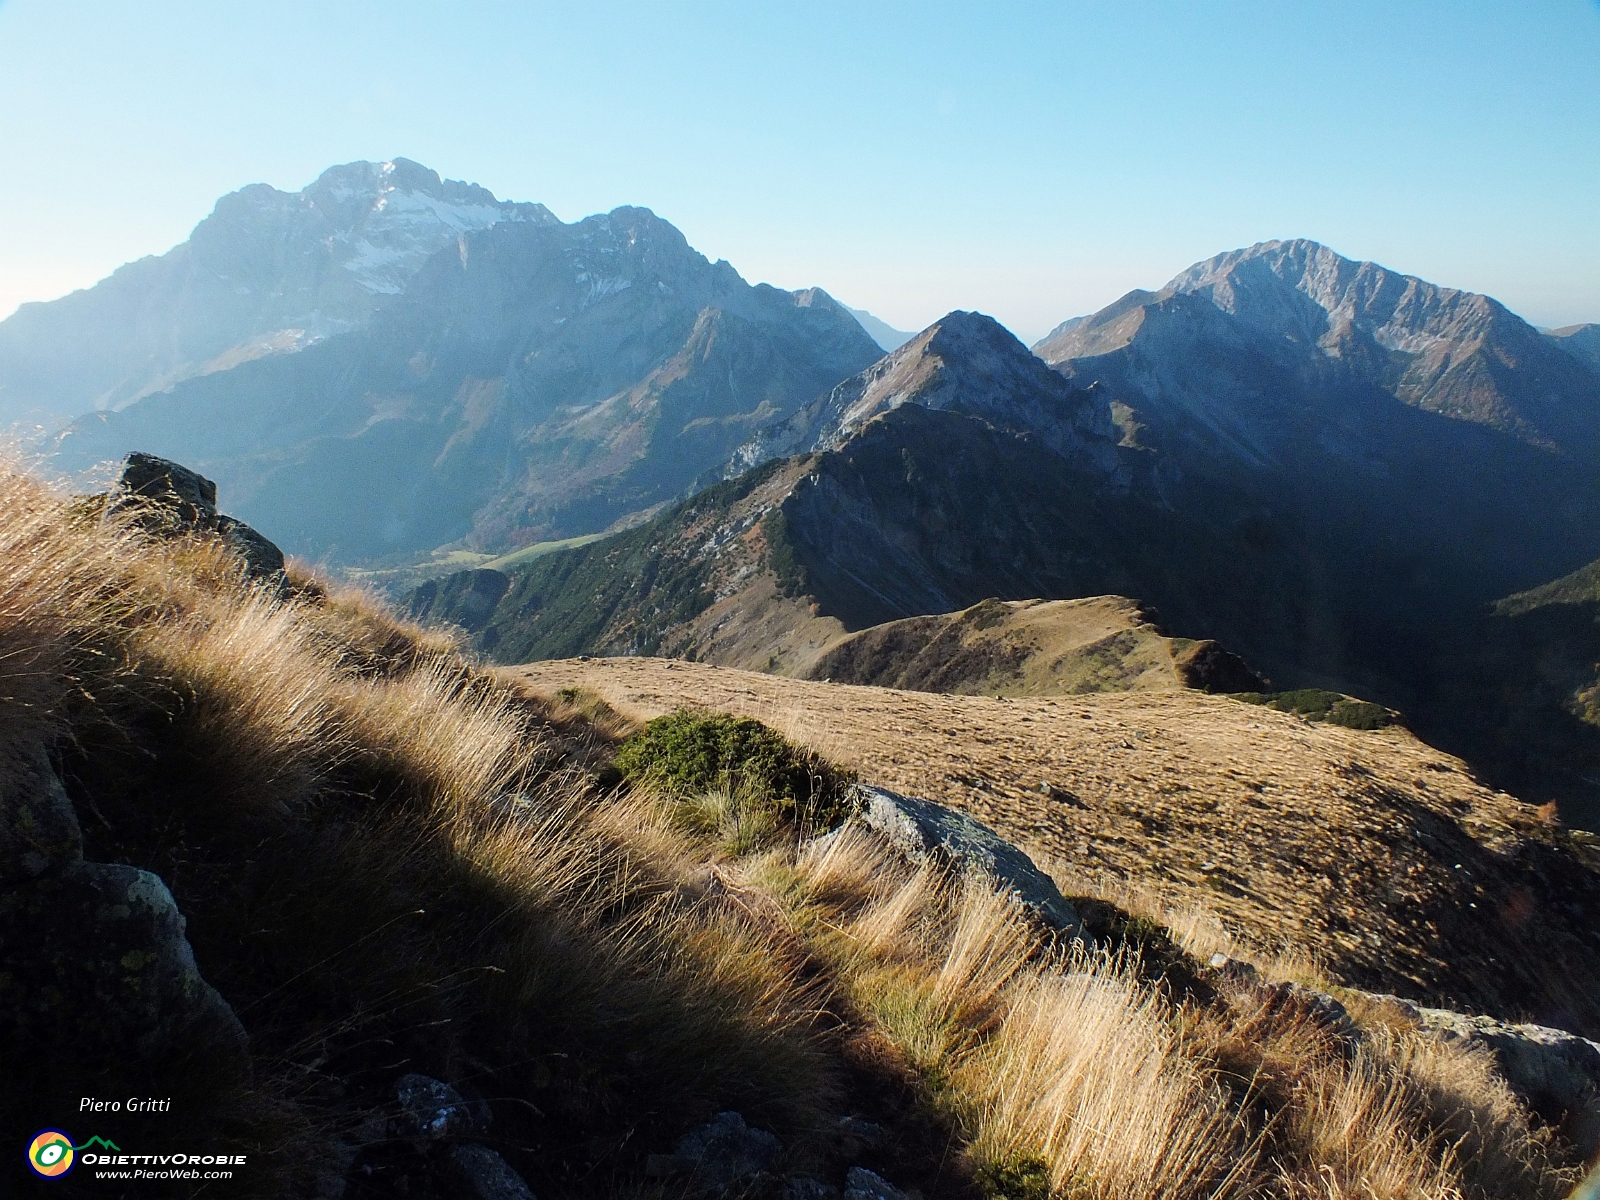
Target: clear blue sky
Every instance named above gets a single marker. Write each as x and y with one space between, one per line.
1033 161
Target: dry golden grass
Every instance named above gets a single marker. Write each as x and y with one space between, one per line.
1366 856
388 862
1077 1062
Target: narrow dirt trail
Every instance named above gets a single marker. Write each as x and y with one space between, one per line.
1371 851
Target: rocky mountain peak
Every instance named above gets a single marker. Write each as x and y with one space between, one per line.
1301 312
267 272
965 362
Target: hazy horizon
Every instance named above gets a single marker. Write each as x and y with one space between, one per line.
1033 162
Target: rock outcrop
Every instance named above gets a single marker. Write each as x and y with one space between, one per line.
172 500
1556 1071
726 1150
93 956
928 833
1208 666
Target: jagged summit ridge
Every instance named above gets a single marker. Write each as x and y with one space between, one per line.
1323 322
1340 297
966 362
265 272
534 380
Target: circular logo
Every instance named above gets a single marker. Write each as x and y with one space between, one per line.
50 1153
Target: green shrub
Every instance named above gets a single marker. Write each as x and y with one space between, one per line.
1016 1179
1318 704
689 753
1358 714
1311 703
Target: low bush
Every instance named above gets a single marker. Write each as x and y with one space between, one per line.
1318 704
691 752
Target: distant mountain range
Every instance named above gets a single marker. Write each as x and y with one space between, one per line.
1327 467
887 337
500 378
1237 351
1580 341
1322 464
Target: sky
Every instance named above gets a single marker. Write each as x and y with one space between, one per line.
1031 161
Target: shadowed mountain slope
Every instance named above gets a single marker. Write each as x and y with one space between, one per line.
1581 341
533 381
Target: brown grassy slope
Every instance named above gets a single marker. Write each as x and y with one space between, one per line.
1012 648
387 862
1370 851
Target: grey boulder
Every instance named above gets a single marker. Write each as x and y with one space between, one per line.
94 956
430 1108
486 1175
803 1187
1558 1072
169 499
925 832
862 1184
725 1150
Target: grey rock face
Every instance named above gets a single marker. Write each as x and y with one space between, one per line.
185 496
725 1150
486 1175
430 1108
95 956
930 833
1326 321
38 827
862 1184
171 499
1558 1072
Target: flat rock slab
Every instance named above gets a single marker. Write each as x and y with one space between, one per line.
930 833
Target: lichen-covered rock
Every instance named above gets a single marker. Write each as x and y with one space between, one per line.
486 1175
430 1108
725 1150
170 499
38 827
94 957
926 832
862 1184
